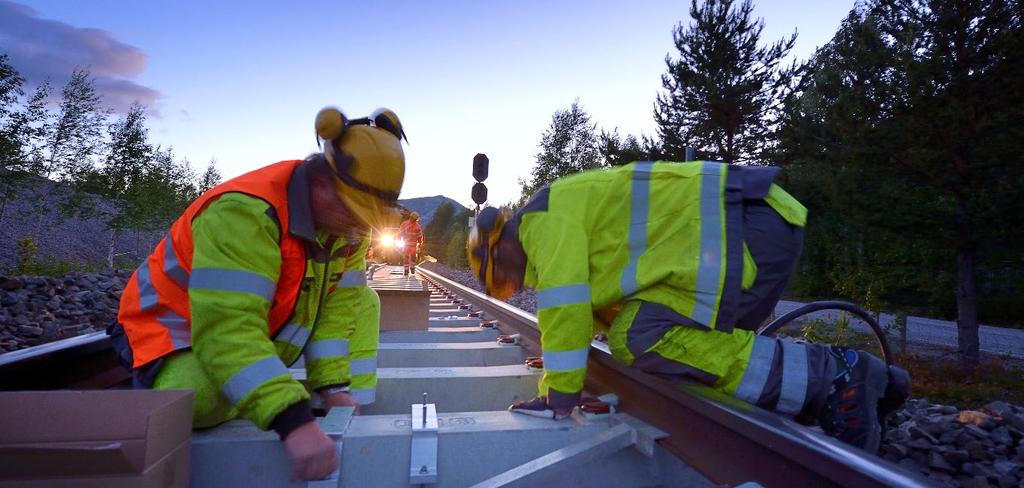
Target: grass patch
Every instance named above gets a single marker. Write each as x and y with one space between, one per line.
935 375
942 381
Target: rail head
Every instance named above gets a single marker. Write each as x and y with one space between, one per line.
727 440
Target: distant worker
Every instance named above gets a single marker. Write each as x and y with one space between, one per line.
264 268
412 236
683 261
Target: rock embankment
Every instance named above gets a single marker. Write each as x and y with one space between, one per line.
975 448
39 309
970 448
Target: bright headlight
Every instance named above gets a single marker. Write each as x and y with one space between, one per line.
387 240
400 243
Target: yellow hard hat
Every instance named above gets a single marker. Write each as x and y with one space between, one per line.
368 162
483 236
415 216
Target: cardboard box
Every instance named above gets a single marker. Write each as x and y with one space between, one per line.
95 438
404 301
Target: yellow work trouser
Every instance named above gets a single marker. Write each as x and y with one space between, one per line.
182 371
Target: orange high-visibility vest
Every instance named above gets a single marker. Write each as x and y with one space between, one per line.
154 305
412 234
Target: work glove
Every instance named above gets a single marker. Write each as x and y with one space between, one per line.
538 407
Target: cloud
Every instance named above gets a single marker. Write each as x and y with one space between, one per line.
41 48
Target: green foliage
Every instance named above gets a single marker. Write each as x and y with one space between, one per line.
117 175
211 178
147 187
27 251
569 145
23 126
724 90
828 331
437 233
455 254
30 264
617 150
77 135
903 141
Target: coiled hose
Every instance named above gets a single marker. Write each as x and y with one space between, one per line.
771 328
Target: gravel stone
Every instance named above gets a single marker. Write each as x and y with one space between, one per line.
35 310
30 330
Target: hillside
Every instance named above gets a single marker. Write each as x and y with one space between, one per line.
35 214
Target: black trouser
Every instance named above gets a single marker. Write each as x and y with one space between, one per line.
775 246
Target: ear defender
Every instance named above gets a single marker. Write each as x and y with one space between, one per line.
386 119
330 124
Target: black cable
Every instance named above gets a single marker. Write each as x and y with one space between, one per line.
883 343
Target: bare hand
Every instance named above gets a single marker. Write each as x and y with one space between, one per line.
313 454
342 399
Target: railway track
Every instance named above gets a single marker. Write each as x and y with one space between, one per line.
728 441
687 435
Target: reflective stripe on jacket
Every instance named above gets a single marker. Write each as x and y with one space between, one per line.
669 233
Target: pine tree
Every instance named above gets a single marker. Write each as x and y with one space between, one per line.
617 150
904 142
961 131
211 177
725 89
569 145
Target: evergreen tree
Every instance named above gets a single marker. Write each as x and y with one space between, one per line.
211 177
569 145
436 233
903 141
961 130
724 91
617 150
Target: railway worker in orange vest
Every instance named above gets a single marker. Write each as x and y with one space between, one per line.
412 238
683 261
264 268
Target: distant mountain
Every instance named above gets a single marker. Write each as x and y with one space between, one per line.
426 206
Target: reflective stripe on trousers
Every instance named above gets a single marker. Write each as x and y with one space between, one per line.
785 376
556 361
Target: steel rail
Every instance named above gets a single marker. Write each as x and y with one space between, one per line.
83 362
727 440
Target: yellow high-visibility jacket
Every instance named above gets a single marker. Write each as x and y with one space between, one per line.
663 232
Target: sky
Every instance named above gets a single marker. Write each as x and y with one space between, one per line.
241 82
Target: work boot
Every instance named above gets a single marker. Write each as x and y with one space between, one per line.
851 411
896 394
538 407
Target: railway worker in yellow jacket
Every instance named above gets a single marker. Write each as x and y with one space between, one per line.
683 261
264 268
